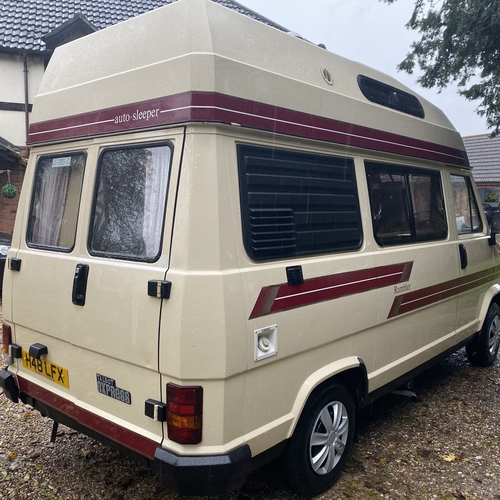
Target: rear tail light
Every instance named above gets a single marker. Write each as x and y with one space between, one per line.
184 413
6 338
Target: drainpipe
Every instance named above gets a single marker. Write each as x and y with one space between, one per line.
26 97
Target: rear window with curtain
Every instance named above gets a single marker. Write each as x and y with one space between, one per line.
295 203
55 201
129 203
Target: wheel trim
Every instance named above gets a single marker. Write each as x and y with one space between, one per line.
328 438
494 336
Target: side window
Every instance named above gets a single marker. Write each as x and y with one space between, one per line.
297 203
406 204
55 202
129 203
466 208
392 97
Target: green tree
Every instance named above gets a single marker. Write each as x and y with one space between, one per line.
460 43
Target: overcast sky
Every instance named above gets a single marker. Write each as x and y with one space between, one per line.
371 32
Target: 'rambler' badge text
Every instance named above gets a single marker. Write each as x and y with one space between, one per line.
107 386
137 115
401 288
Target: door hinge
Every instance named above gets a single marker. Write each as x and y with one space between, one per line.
14 264
159 289
156 410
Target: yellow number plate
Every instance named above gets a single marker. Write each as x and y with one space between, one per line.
44 367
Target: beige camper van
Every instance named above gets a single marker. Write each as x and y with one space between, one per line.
229 240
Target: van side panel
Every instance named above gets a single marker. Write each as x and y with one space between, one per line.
216 237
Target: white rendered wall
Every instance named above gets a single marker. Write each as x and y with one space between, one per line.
12 123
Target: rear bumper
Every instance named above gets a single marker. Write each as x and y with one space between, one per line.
202 475
185 475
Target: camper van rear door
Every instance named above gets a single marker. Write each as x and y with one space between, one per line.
96 232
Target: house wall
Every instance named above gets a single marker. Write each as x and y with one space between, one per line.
12 123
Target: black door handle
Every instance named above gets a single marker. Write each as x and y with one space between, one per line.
80 284
463 256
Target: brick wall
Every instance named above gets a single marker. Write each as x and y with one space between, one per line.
8 207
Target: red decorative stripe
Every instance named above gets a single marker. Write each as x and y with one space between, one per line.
283 297
127 438
214 107
415 300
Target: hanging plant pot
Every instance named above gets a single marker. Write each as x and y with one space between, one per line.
9 191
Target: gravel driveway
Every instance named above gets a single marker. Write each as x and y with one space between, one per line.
443 445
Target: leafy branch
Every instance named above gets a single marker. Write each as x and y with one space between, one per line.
460 43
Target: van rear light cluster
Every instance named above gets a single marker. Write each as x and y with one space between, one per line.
184 413
6 341
6 338
10 351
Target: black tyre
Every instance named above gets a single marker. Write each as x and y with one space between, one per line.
322 441
483 350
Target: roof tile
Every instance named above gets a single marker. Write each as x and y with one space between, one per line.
38 17
484 156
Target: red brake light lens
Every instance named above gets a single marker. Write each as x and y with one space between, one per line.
184 413
6 338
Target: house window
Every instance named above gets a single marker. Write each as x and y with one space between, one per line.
129 205
297 203
55 201
466 208
406 204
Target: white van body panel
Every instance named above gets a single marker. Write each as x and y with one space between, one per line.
202 56
221 94
79 338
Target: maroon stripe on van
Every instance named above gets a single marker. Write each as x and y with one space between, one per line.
277 298
127 438
214 107
420 298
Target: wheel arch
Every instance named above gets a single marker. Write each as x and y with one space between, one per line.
492 295
350 372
